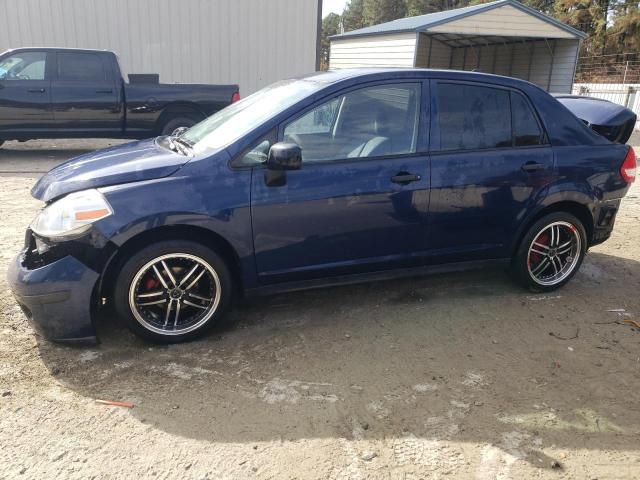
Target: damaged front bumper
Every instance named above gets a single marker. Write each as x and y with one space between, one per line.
56 295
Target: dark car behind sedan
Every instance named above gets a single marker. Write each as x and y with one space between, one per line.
71 92
328 179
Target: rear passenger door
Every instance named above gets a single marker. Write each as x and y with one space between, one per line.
490 159
85 95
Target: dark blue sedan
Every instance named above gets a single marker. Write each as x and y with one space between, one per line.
329 179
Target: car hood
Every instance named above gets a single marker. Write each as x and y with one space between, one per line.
131 162
610 120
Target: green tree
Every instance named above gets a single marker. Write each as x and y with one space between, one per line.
353 15
380 11
589 16
330 26
625 32
421 7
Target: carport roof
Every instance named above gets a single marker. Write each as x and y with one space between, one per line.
424 22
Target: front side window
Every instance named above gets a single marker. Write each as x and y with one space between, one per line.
526 130
238 119
473 117
23 66
369 122
80 67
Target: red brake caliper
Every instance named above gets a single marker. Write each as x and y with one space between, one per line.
150 284
535 257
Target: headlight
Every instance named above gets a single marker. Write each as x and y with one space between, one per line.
71 215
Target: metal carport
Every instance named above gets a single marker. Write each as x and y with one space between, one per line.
503 37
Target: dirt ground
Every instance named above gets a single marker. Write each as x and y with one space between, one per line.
452 376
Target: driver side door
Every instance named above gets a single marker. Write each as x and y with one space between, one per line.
25 93
360 200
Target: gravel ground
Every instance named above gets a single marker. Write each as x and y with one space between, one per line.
460 376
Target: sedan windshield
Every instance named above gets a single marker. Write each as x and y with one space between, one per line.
238 119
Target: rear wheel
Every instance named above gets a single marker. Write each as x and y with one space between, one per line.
173 291
173 123
551 252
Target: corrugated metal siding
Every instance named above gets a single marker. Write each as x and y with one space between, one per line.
249 42
528 60
505 20
395 50
431 53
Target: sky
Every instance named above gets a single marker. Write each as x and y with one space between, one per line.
335 6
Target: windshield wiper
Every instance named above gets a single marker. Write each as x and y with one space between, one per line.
179 145
184 142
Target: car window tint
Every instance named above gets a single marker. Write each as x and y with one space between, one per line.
369 122
83 67
23 66
526 130
473 117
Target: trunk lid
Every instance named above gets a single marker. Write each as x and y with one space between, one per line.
612 121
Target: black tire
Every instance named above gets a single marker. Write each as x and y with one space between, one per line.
529 274
147 321
180 120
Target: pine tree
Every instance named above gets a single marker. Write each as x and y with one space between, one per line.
330 26
353 17
380 11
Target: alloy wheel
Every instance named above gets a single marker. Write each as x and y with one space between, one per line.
554 253
174 294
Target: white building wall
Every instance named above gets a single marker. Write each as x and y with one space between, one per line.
249 42
394 50
507 20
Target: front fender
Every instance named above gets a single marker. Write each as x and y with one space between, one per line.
218 201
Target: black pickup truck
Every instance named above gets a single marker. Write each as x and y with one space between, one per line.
66 93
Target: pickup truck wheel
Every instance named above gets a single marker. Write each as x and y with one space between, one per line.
173 291
550 253
176 122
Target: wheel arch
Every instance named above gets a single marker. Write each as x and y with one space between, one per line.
575 208
200 235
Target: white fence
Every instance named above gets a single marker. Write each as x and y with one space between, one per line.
627 94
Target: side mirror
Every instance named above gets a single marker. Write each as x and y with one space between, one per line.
284 156
179 131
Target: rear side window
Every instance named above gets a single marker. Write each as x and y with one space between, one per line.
526 130
473 117
80 67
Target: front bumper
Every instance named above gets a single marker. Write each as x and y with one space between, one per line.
56 297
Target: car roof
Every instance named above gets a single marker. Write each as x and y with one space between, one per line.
56 49
373 74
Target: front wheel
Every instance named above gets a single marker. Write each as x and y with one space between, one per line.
551 252
173 291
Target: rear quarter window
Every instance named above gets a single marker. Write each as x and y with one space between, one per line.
526 129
